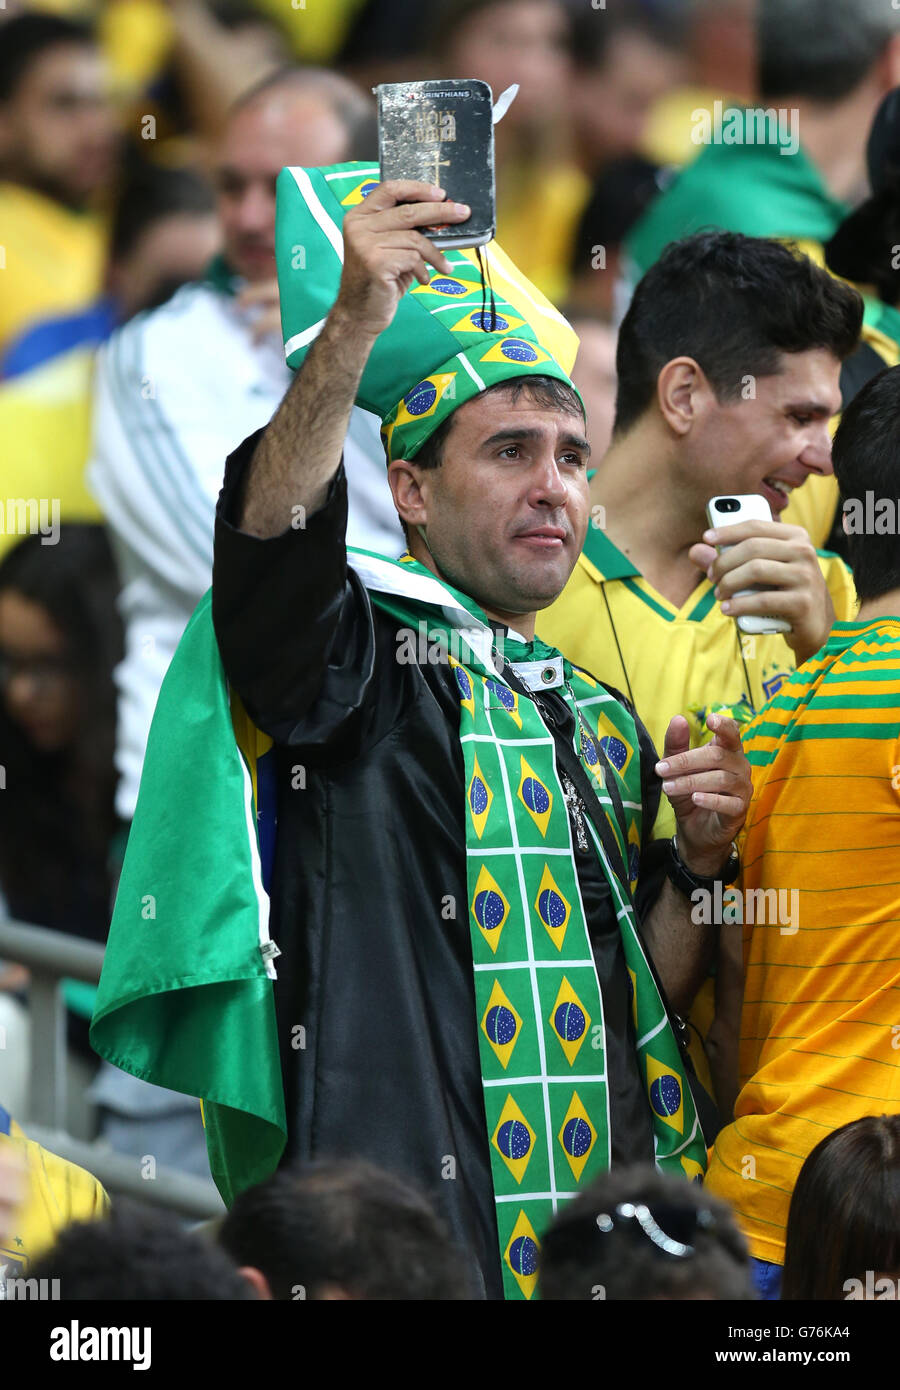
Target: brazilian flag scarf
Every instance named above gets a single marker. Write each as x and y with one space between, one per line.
185 999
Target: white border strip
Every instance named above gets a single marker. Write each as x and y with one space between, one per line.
262 898
300 340
472 372
311 199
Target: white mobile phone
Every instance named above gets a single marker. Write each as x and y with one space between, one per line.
730 511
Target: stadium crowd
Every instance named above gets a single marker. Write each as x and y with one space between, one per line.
333 866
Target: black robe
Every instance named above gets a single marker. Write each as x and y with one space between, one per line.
370 850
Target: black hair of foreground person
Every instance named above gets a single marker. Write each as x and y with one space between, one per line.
844 1220
138 1255
773 301
333 1229
638 1234
866 461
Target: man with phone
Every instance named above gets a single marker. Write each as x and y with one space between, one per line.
729 363
451 882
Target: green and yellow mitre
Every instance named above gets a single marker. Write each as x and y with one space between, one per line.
437 354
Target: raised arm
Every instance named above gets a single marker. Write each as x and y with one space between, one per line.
301 449
294 626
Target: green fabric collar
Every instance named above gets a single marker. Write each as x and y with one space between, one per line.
535 650
606 558
845 634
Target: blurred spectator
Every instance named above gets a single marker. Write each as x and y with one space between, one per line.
57 161
176 391
789 168
342 1230
622 192
843 1234
50 1193
640 1234
624 61
594 374
60 637
163 233
817 1041
138 1255
718 45
864 246
540 190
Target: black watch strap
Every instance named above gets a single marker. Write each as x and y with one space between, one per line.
688 882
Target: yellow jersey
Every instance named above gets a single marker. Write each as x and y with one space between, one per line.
820 1044
57 1193
667 660
53 259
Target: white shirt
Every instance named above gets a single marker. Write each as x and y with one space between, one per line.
177 389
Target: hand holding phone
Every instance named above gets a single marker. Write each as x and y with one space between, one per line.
731 511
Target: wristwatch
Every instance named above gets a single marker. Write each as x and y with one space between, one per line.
688 882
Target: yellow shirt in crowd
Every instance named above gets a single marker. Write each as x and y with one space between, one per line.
819 1034
57 1193
670 660
53 259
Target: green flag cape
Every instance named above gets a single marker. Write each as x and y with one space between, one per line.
186 999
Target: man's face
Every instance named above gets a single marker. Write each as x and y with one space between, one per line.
612 104
284 127
505 514
57 131
768 445
520 41
39 689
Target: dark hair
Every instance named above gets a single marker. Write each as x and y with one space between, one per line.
593 1250
594 34
26 37
864 246
623 191
139 1255
844 1217
546 391
866 458
353 107
447 20
819 49
151 193
348 1225
734 304
56 812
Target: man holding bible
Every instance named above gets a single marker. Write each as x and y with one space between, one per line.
479 943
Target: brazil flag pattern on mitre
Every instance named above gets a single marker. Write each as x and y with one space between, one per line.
437 352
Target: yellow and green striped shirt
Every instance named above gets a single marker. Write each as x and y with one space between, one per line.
820 1028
